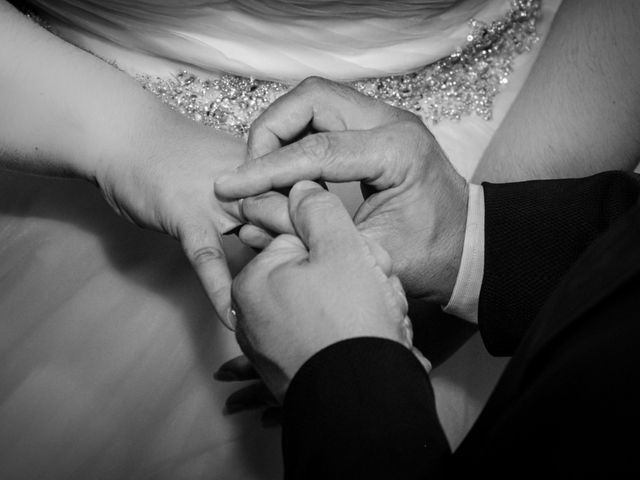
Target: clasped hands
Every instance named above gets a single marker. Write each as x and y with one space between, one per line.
322 277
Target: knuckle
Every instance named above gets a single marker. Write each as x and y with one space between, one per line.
257 203
316 146
314 82
205 255
254 130
416 137
259 132
413 128
249 204
280 277
403 115
248 166
220 293
264 198
316 201
255 125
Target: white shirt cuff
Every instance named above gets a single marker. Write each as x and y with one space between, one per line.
466 292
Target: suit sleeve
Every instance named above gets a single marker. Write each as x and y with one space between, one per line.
534 232
362 408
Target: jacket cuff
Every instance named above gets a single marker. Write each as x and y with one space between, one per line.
362 408
534 232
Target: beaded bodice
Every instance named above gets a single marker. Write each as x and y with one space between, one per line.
463 83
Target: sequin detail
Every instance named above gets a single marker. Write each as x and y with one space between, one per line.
464 83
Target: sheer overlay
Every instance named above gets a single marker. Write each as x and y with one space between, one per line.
108 341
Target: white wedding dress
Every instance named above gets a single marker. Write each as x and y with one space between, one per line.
107 340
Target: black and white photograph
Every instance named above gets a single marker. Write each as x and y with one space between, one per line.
319 240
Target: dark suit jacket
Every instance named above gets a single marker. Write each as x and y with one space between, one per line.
561 294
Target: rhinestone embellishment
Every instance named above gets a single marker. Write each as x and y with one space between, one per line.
464 83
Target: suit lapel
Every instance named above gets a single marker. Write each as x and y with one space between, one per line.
611 261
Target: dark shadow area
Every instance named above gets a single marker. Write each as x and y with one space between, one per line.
436 334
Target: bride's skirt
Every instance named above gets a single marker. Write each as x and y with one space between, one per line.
108 343
107 349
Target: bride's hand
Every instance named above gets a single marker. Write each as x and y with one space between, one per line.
163 180
304 293
86 119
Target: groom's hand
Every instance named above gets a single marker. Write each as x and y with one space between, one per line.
415 204
307 291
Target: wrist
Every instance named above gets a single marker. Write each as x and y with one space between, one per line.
127 134
464 300
138 139
444 251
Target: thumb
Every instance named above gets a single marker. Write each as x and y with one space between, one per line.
322 222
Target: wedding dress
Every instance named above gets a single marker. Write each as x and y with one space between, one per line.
107 340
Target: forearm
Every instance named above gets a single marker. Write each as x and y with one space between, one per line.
534 233
362 408
64 111
579 110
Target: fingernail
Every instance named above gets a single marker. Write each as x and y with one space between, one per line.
229 319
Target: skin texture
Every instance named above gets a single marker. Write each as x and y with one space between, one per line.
307 291
415 202
576 115
87 120
579 111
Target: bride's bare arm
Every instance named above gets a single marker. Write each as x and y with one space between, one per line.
579 111
65 112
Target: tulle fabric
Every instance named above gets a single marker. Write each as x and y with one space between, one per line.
278 39
107 341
